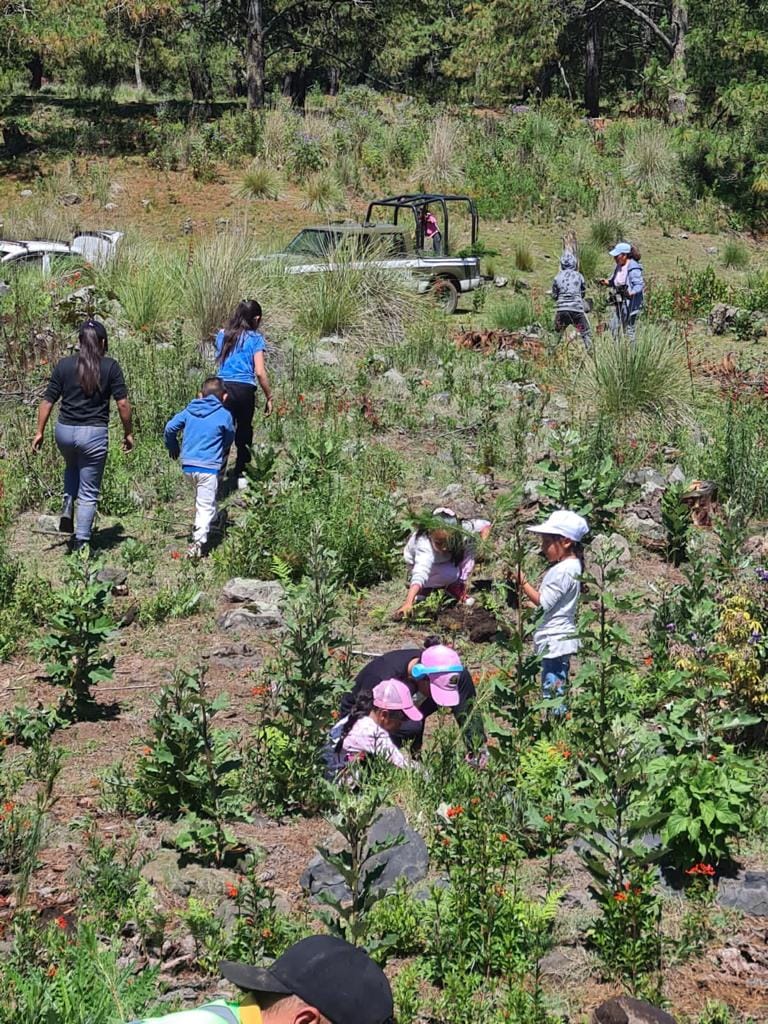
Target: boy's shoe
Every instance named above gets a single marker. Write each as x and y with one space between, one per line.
66 519
195 550
78 544
242 483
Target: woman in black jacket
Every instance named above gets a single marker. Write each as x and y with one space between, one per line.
84 382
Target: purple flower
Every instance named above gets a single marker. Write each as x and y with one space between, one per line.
755 637
762 575
671 627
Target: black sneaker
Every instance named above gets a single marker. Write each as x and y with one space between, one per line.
66 519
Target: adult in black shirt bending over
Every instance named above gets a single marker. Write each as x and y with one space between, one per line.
436 678
85 383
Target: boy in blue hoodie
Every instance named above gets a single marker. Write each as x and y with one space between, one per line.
207 434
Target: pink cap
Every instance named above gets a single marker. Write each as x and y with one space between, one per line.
392 695
443 666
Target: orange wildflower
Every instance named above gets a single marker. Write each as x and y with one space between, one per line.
231 890
455 811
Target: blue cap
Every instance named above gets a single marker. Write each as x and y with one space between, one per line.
621 249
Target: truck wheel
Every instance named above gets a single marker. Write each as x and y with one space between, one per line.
445 294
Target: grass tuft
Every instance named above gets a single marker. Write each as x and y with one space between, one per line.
630 382
516 313
259 182
650 162
323 194
523 256
735 254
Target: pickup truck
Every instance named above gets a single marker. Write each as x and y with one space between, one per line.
397 247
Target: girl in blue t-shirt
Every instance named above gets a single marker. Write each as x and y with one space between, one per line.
240 362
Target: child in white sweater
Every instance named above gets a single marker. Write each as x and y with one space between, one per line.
555 638
441 556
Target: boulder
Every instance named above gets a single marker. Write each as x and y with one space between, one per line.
626 1010
241 589
748 892
48 524
394 378
650 533
645 475
408 859
723 317
676 475
324 357
245 618
612 541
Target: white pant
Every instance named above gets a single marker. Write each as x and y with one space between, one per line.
205 485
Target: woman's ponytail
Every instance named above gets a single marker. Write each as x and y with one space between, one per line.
360 709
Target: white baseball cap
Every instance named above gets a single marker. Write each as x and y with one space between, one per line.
621 249
563 523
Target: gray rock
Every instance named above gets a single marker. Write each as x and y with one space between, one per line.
332 339
109 207
676 475
48 524
711 250
26 193
452 491
615 541
757 546
747 892
555 964
70 199
508 353
500 281
395 378
645 475
240 588
244 618
409 859
323 357
626 1010
532 490
649 532
649 488
117 577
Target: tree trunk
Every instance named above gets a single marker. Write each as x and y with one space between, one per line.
678 100
255 73
201 86
334 80
295 87
137 59
35 73
592 62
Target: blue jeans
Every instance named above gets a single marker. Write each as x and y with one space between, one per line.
554 676
85 454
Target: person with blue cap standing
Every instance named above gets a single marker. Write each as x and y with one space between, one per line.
628 285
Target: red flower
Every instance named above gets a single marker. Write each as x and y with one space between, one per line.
231 890
258 691
701 869
52 971
146 751
266 933
8 806
61 922
176 555
503 837
454 812
648 661
620 897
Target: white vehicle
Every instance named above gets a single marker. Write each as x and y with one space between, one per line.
401 245
95 247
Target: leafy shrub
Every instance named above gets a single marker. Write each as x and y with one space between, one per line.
188 765
735 255
259 182
692 293
177 601
79 627
285 766
353 510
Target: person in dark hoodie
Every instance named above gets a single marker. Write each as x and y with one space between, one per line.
568 290
207 431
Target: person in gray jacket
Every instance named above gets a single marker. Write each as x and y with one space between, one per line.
568 291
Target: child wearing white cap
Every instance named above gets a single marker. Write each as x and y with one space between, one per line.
374 716
558 596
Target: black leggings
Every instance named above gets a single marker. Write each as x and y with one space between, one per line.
241 402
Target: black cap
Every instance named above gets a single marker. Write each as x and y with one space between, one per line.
94 325
339 980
